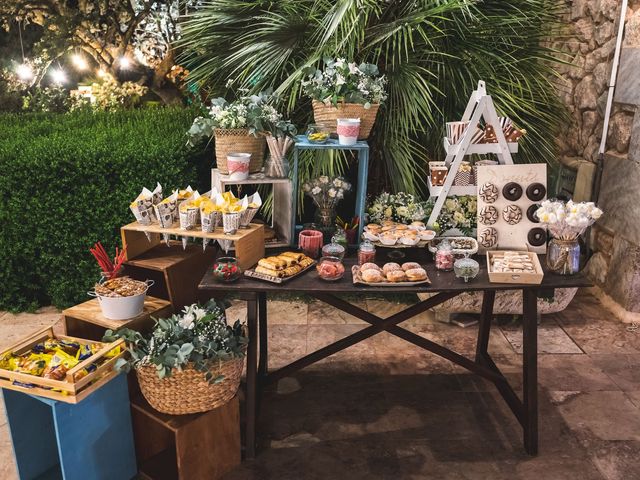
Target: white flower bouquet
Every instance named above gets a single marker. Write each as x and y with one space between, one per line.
345 81
567 221
326 191
400 207
458 213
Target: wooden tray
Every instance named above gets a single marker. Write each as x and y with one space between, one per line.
433 245
357 279
515 277
71 391
251 273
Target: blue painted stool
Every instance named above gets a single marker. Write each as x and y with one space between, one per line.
90 440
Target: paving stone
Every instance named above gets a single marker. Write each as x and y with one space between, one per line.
288 339
624 370
287 313
551 339
321 313
602 335
617 460
572 372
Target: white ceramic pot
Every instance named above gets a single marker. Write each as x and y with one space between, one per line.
348 130
238 165
122 308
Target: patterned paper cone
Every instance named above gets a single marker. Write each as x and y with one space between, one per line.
184 243
166 210
157 194
166 238
230 222
143 212
247 216
189 218
210 220
225 244
205 242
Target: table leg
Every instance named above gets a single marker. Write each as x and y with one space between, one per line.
530 369
263 363
485 323
252 353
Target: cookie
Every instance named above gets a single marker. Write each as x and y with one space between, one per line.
512 191
536 192
531 213
512 214
488 215
537 237
489 237
488 193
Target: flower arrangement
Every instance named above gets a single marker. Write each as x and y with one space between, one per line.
326 192
345 81
458 213
400 207
199 335
567 221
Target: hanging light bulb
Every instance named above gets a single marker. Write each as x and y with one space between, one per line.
24 72
125 63
79 62
58 76
101 72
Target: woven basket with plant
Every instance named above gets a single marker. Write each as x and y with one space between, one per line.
345 90
189 363
233 140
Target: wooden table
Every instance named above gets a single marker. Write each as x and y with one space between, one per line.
444 286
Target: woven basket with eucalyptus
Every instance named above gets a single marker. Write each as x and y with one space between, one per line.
189 391
328 115
239 140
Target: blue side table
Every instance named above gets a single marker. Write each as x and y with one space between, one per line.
92 439
361 147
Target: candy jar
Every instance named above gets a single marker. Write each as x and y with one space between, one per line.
366 252
466 268
444 256
333 249
226 269
330 269
318 133
340 237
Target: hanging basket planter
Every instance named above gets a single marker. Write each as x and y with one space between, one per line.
239 140
328 115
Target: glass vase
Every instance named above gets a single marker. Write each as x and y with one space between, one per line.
326 217
563 256
277 167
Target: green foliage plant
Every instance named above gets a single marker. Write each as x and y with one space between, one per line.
199 336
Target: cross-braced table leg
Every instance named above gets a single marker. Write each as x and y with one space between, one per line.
252 354
530 369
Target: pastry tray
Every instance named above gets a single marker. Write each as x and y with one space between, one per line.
433 245
357 280
420 244
251 273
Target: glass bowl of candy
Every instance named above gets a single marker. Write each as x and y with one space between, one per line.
226 269
466 268
330 269
318 133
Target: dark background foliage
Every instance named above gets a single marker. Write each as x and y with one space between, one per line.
67 181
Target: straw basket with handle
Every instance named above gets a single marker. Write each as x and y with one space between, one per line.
188 391
229 140
329 114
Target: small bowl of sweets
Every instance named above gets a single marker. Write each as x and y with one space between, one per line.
226 270
330 269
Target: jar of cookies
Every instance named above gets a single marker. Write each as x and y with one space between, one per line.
366 252
444 256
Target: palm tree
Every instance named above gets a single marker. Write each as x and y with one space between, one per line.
432 51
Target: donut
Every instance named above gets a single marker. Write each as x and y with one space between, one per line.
536 192
370 266
537 237
396 276
390 267
488 215
512 214
512 191
371 276
531 213
488 237
488 193
416 274
410 266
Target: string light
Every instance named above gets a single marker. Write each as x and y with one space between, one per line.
24 72
79 62
58 76
125 63
101 72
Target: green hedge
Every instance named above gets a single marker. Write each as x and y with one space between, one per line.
66 182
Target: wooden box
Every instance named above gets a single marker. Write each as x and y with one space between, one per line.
509 277
70 389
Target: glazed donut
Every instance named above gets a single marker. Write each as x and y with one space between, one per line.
512 191
512 214
489 237
536 192
537 236
488 193
531 213
488 215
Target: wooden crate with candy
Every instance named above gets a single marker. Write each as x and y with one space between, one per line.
59 367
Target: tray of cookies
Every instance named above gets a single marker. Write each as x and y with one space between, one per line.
460 245
281 268
398 235
507 266
390 274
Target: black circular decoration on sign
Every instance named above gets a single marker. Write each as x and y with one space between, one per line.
537 237
536 192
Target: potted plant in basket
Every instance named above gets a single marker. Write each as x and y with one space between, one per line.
345 90
190 362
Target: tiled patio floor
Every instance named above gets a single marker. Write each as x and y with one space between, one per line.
384 409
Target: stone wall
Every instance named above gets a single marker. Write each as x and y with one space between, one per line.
593 28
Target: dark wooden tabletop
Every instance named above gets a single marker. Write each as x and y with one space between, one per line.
440 281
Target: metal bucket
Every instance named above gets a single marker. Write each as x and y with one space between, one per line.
122 308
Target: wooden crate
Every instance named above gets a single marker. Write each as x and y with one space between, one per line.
508 277
71 391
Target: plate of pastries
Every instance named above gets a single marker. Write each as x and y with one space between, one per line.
390 274
393 234
282 267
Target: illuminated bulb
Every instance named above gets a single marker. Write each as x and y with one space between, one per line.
125 63
24 72
79 62
58 76
101 73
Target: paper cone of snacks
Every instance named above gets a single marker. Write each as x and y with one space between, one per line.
463 175
166 210
225 244
189 212
157 194
210 215
142 208
183 196
254 202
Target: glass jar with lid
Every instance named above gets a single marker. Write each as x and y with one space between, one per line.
333 249
366 252
444 256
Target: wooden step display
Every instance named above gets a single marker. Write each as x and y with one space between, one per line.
86 320
186 447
